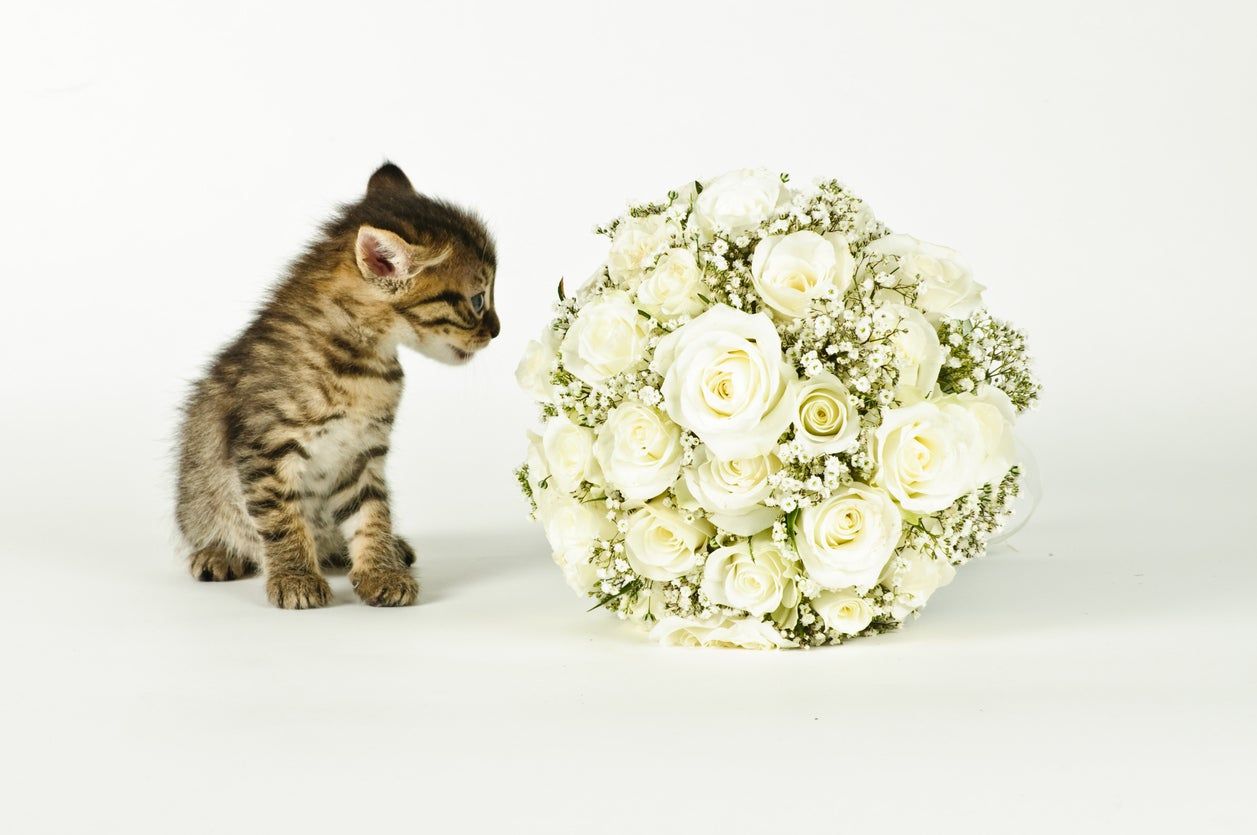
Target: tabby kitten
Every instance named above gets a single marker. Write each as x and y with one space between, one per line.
283 440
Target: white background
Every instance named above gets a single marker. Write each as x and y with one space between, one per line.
161 163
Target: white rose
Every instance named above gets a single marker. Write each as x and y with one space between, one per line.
845 611
847 539
608 336
538 364
569 452
791 271
661 545
994 413
946 288
739 201
918 355
648 602
731 492
636 243
928 454
671 289
752 574
572 527
719 631
826 419
725 380
914 577
535 458
639 451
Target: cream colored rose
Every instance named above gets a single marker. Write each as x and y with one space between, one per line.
719 631
636 244
569 453
995 414
535 458
847 539
845 611
607 337
752 574
639 451
917 355
572 527
731 492
648 603
671 289
661 545
538 364
725 380
914 577
739 201
826 420
946 288
791 271
928 454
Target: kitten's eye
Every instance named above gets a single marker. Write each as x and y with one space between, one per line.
477 302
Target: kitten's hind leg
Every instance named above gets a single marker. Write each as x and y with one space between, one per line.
329 542
405 550
214 563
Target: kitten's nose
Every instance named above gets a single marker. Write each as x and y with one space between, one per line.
491 321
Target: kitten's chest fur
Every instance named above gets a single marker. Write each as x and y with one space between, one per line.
362 420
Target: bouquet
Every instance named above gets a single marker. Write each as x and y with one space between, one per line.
769 422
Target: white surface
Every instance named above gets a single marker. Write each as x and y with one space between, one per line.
1093 162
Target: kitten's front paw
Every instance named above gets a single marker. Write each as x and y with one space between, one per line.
404 551
384 586
298 591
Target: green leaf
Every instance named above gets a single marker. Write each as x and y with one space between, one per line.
643 313
630 587
704 299
562 295
792 519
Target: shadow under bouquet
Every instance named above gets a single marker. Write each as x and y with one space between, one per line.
768 422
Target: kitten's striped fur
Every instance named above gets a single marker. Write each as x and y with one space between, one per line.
284 439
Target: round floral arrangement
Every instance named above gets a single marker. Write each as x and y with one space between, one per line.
769 422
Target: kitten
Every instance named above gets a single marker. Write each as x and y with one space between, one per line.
283 440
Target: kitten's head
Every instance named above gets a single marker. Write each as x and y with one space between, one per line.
433 263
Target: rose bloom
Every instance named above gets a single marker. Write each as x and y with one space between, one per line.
661 545
569 454
639 451
928 454
572 527
751 574
636 243
739 201
915 577
535 458
790 271
826 420
918 355
671 288
847 539
844 611
607 337
994 413
538 364
725 379
947 287
731 492
719 631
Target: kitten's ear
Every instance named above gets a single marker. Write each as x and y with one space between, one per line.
388 177
383 257
387 261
